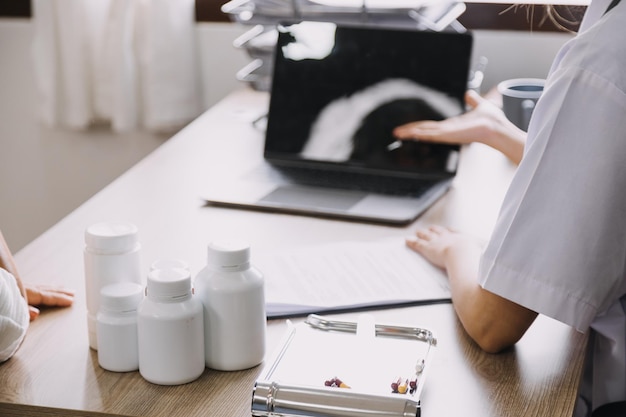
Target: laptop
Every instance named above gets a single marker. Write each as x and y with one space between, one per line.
337 92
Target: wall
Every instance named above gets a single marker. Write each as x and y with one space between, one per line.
517 54
38 166
219 60
511 54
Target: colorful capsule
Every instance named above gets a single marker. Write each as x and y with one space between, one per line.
336 383
399 386
403 387
419 367
395 385
412 385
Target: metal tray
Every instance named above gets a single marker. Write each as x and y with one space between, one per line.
374 363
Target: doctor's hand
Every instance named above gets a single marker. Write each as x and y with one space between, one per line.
484 123
439 245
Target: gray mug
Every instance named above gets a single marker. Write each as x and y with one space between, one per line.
519 97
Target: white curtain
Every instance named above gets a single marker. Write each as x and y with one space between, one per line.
132 63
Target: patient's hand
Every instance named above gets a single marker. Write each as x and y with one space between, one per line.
44 296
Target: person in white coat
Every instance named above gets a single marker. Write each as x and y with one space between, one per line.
559 245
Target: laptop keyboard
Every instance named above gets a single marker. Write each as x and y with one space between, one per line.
354 181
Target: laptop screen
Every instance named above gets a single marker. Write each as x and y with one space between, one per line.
338 92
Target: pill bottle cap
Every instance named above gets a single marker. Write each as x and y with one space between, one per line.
167 263
112 236
169 284
228 255
120 297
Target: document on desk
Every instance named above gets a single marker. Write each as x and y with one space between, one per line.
349 276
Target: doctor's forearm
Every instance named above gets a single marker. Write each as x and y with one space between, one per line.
493 322
507 138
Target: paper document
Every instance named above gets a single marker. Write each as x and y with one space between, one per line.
349 276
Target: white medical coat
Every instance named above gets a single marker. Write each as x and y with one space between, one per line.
559 245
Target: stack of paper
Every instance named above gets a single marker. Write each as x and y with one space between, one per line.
349 276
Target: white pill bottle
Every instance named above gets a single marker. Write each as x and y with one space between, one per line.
232 293
117 327
111 255
170 329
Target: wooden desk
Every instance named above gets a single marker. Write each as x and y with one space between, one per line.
55 372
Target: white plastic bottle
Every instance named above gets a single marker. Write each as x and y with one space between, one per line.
170 329
117 327
111 254
232 293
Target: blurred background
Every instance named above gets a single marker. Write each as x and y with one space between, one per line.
48 170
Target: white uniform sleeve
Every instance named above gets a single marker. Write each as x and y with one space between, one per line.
559 246
14 316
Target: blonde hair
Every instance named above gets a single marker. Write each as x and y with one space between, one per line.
566 18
